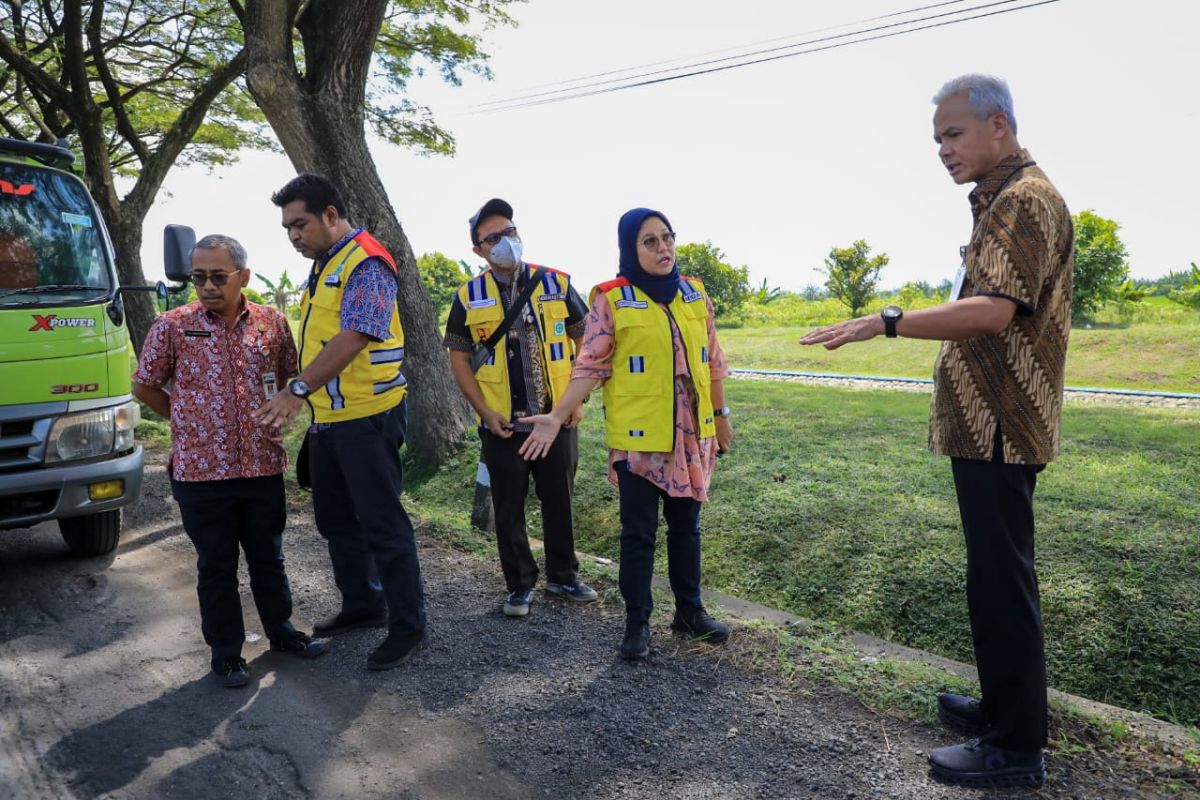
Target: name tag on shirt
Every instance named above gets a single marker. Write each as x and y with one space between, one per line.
485 303
631 304
270 385
201 334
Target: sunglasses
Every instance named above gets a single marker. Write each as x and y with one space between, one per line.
651 242
493 238
198 279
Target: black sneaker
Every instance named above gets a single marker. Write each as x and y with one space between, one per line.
695 622
636 643
517 603
979 764
395 650
342 622
300 645
231 673
963 714
577 592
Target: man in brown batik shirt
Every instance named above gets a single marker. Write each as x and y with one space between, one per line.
997 403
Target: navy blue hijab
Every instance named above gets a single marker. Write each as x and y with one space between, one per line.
661 288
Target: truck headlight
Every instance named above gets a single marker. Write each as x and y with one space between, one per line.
89 434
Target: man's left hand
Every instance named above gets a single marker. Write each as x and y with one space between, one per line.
279 410
854 330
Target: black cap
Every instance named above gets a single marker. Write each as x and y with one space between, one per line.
492 208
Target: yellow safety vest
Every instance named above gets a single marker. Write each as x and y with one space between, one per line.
639 398
372 382
480 296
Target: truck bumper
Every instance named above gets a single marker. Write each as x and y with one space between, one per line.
30 497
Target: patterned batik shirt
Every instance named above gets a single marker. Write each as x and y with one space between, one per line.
1021 248
219 376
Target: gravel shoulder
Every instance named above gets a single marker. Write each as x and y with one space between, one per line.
104 692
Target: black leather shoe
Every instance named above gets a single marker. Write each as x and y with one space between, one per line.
636 643
231 673
300 645
980 764
963 714
342 622
695 622
395 650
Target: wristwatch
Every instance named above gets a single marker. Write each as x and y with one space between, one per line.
891 315
299 388
723 411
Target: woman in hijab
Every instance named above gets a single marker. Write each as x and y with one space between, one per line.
650 339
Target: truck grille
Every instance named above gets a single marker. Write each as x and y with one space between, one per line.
22 443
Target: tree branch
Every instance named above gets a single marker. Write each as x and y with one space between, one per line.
155 169
124 125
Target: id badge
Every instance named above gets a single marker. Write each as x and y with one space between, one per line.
270 385
960 276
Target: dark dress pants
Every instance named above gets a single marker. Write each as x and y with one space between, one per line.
357 480
553 480
639 526
218 516
995 501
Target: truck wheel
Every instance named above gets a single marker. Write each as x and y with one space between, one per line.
92 535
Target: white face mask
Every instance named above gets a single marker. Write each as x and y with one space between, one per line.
506 253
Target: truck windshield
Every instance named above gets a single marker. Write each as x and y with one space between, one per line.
51 250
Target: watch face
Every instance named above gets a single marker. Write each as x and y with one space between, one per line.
892 312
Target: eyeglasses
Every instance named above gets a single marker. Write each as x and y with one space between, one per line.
198 279
493 238
651 242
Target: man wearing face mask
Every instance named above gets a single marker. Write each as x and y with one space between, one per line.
526 376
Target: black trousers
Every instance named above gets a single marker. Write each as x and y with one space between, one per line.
995 501
639 526
554 481
357 480
218 516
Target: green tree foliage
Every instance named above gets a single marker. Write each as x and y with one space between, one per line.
1189 294
1125 297
765 295
441 276
136 86
1101 263
852 275
728 286
282 292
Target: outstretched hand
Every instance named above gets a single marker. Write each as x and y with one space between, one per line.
541 438
854 330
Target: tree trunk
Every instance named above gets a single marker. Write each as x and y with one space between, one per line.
126 234
319 120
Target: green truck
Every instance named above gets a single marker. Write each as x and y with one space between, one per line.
67 417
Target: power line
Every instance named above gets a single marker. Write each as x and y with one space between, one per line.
520 98
546 98
809 32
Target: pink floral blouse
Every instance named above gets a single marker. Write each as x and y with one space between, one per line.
686 472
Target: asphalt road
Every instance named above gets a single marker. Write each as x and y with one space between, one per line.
105 692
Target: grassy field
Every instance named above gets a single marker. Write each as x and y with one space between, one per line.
1159 349
832 508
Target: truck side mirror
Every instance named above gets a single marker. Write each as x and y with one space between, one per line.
178 241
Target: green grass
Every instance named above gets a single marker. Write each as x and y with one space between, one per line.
832 508
1159 349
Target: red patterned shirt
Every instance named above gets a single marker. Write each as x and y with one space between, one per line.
220 375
